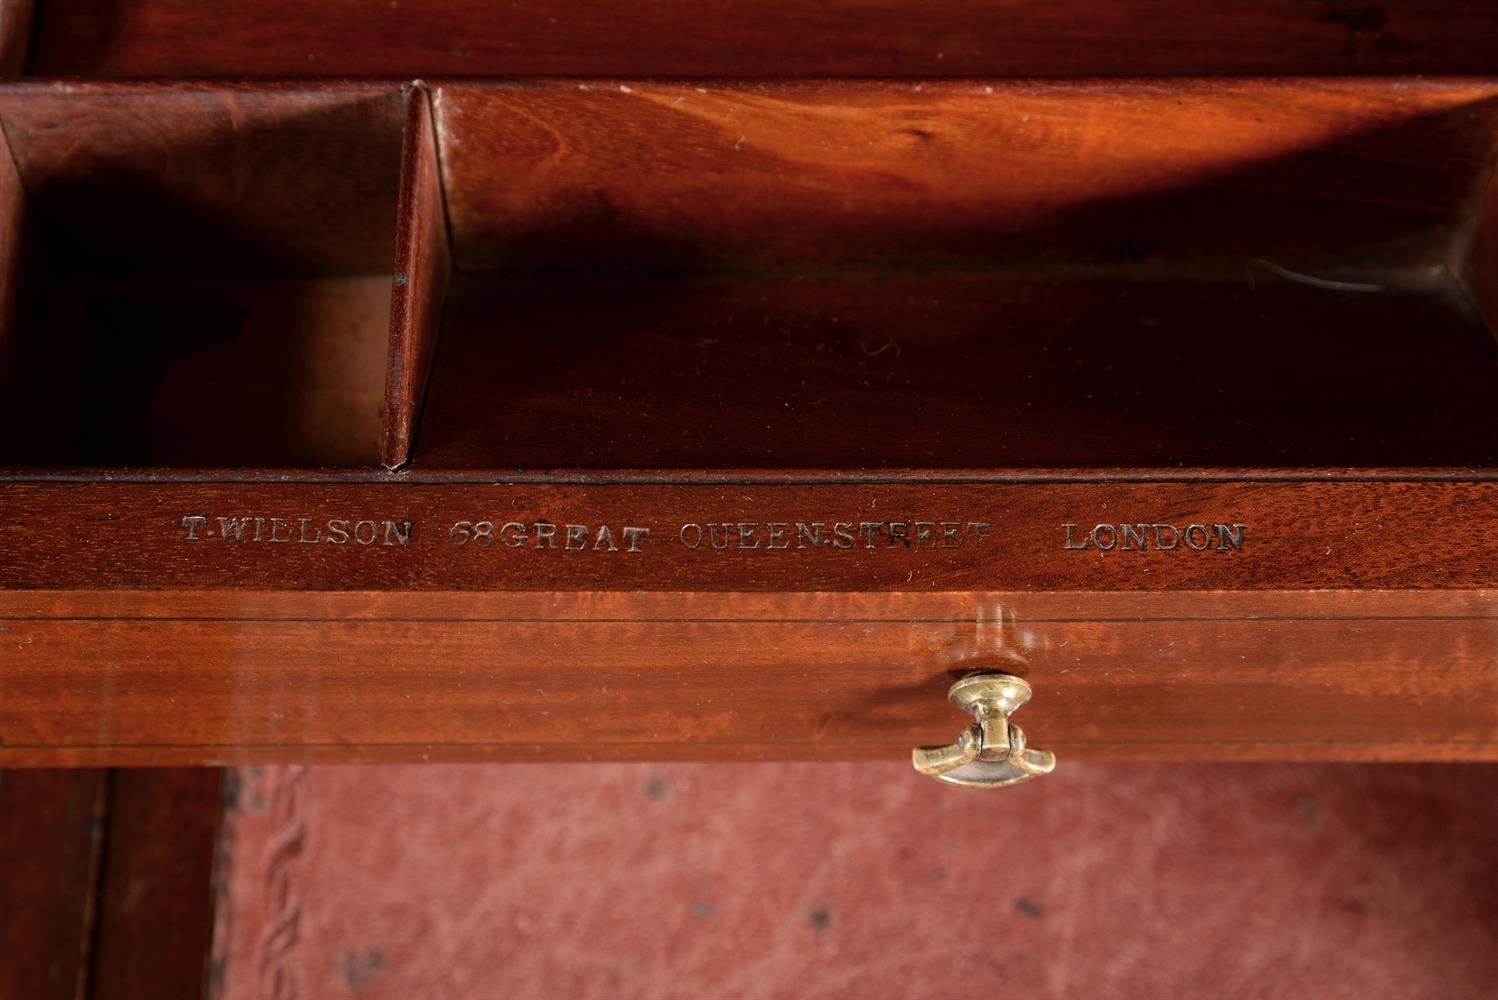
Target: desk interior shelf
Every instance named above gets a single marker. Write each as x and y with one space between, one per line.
355 392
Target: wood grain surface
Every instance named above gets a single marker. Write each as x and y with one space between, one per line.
220 180
15 35
271 38
1093 273
51 836
130 677
97 864
423 262
16 353
1320 535
199 260
984 332
1189 176
157 873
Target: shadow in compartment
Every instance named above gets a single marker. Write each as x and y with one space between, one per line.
206 274
1177 299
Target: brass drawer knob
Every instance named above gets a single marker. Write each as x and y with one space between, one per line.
990 753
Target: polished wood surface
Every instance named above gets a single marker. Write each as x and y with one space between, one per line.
1368 535
762 38
51 836
601 225
422 266
220 180
15 35
108 882
961 274
372 421
245 676
157 885
13 347
1188 177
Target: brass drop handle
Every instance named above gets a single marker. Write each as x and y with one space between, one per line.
990 753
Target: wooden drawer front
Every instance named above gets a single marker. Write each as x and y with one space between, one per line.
738 533
134 677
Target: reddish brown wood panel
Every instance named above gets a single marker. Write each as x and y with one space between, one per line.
221 180
13 347
1203 176
837 274
91 677
881 369
156 899
15 35
1481 264
190 372
51 829
198 262
423 262
762 38
916 535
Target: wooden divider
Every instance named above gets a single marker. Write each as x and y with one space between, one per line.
423 263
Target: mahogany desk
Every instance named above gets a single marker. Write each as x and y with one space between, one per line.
657 381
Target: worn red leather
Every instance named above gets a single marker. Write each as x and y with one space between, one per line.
806 881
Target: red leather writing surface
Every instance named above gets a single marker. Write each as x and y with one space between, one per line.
809 881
